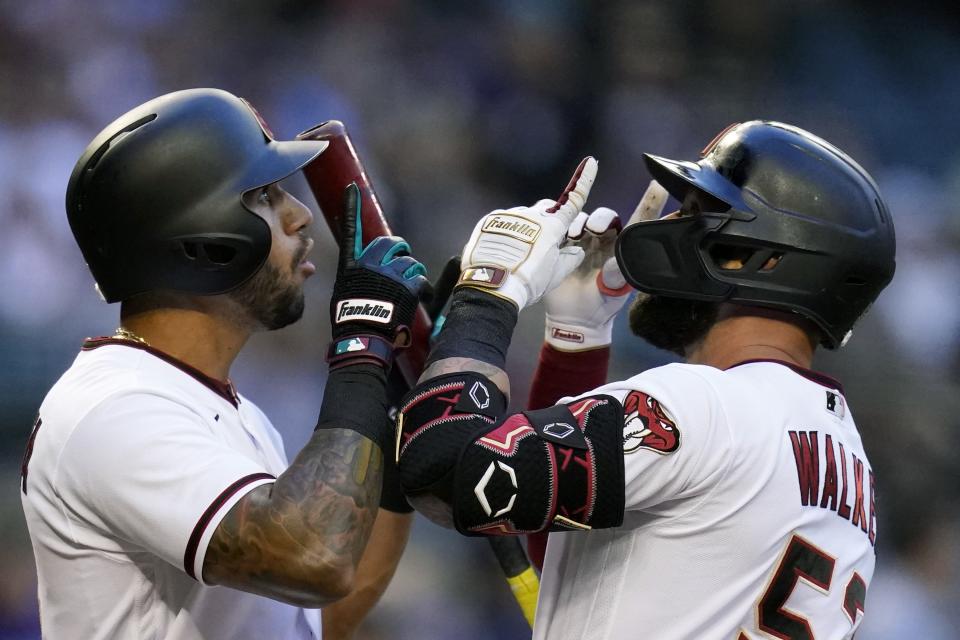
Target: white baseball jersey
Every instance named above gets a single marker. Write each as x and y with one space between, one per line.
749 515
134 460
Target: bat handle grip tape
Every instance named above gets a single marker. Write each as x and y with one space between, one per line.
526 587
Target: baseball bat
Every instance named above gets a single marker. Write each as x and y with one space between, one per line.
328 177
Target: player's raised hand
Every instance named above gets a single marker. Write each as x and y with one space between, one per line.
377 287
516 253
580 312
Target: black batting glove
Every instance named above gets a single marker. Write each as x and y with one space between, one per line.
375 295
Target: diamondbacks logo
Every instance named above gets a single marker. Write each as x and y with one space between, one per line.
647 425
513 226
363 309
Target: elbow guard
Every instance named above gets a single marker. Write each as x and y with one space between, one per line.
464 465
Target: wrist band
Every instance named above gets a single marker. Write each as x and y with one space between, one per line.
355 398
479 325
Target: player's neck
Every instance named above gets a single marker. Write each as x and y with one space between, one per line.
753 334
198 338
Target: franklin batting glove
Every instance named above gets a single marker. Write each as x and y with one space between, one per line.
580 312
376 292
516 254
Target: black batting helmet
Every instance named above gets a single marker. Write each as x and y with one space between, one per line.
806 224
155 200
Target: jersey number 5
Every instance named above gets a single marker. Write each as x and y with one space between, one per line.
803 560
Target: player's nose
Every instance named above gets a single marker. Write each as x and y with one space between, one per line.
297 216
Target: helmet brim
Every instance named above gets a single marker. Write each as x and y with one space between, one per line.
680 178
280 160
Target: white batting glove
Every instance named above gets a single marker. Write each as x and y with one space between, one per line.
516 253
580 312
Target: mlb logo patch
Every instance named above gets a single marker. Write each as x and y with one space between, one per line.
835 404
482 276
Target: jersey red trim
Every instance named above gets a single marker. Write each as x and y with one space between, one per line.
222 389
814 376
190 554
28 453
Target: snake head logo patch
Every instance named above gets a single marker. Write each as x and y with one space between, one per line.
647 425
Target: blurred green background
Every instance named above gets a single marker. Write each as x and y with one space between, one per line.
459 108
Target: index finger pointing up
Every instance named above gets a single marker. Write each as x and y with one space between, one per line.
573 198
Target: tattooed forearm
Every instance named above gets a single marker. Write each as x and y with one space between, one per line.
455 365
301 538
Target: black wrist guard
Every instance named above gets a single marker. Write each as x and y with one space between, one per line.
356 398
478 326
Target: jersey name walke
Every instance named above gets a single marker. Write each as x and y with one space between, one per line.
845 479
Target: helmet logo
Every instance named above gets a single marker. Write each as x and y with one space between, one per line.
263 123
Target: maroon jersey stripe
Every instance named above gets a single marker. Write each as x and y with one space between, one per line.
27 454
190 555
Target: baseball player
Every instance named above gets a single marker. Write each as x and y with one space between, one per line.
159 500
726 497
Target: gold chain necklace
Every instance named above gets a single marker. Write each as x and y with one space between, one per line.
125 334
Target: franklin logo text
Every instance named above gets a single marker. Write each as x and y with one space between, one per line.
361 309
513 226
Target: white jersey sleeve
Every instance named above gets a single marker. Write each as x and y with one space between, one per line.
149 470
675 439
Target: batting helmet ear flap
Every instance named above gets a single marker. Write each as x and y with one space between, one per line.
662 256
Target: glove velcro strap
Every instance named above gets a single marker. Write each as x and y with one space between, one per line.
483 276
348 349
559 469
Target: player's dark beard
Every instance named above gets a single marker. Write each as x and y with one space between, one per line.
271 299
671 323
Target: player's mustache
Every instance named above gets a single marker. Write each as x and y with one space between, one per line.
306 243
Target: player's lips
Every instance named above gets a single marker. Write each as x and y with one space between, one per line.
307 267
